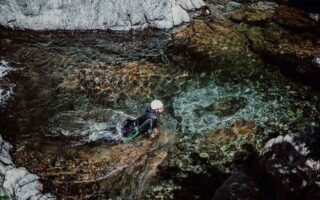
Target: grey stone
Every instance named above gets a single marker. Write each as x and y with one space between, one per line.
7 146
36 197
18 183
27 191
4 168
27 179
96 14
5 194
47 197
1 179
4 154
6 159
12 176
42 197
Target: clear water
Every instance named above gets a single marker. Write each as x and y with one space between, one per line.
279 104
60 103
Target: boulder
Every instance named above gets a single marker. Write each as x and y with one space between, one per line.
5 157
12 177
18 183
288 166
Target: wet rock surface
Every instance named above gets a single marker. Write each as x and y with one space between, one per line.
282 35
99 166
213 46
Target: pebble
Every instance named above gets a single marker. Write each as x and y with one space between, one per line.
203 155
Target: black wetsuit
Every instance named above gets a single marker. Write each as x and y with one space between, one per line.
148 121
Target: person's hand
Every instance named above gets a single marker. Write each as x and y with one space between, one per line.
155 133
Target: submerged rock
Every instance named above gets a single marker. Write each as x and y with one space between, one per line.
224 144
111 14
294 18
225 107
251 17
97 167
295 54
211 45
108 84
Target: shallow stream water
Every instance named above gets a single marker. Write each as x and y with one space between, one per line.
70 86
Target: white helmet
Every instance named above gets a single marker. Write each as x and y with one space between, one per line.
156 104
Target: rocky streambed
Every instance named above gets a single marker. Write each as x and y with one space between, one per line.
230 81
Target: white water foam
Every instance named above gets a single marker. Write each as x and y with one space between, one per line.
6 89
87 128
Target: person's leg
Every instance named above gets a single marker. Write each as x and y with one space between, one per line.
146 126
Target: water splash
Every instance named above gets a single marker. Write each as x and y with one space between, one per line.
86 127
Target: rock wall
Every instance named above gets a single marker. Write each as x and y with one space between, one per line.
95 14
17 182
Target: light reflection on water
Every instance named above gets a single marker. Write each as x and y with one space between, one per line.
275 105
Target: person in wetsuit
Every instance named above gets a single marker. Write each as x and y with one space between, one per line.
145 124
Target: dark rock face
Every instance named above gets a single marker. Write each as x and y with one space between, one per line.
288 169
239 186
288 166
309 5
